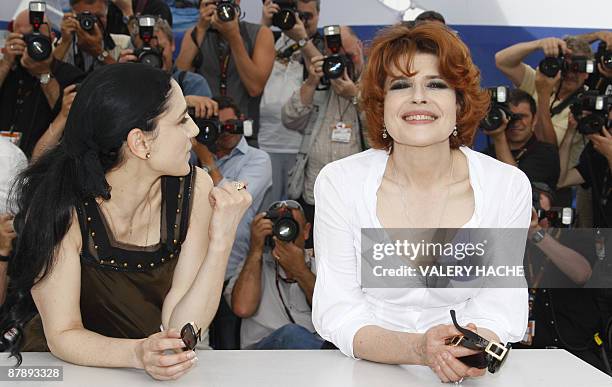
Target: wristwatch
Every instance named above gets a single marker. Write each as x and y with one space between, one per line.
538 236
103 55
302 43
44 78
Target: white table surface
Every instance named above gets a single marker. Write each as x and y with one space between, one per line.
541 368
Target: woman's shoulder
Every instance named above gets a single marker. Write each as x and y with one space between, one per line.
354 166
495 175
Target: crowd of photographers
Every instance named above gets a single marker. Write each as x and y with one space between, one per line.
274 108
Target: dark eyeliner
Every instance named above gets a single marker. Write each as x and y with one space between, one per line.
401 84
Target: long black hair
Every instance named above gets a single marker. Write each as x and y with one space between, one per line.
109 104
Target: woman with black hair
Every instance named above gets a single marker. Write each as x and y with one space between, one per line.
118 237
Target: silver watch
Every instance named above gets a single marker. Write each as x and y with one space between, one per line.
538 236
44 78
102 56
302 43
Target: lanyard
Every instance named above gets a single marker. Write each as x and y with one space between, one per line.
341 113
224 64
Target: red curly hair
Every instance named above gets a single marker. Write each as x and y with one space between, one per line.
389 51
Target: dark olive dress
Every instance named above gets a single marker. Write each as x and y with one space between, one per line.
123 287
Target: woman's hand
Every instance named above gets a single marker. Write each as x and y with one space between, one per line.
161 366
229 205
442 358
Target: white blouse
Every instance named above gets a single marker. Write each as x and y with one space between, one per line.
345 196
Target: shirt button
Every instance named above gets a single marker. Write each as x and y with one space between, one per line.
552 322
544 291
546 304
556 340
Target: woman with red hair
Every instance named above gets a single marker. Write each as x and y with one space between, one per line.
422 99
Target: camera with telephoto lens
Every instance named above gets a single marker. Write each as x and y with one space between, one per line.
551 65
334 64
87 21
598 106
146 54
284 227
285 17
38 45
212 128
499 109
559 217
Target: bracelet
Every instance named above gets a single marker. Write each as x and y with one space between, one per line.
4 258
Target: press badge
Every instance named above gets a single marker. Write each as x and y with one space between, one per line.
341 133
14 137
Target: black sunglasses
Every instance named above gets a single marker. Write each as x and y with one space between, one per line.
492 355
190 336
305 16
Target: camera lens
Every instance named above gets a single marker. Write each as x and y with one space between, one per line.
151 58
39 46
591 124
226 12
550 66
284 19
286 229
209 129
494 119
333 66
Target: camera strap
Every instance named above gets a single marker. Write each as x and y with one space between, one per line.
224 59
565 103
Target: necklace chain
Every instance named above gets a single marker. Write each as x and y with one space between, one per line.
403 191
114 229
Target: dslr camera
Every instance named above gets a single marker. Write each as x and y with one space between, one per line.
284 227
87 21
604 55
226 9
211 128
550 66
499 109
598 106
285 17
147 54
335 63
558 217
38 45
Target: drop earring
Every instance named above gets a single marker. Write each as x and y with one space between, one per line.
455 133
385 134
148 155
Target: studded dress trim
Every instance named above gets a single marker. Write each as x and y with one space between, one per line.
100 250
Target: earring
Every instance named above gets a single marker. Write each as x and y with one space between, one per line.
148 155
385 134
455 133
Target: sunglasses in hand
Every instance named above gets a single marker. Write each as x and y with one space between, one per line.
190 335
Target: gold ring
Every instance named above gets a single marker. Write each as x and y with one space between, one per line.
239 185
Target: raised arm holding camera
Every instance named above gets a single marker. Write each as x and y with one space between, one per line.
273 287
235 57
86 41
31 80
514 140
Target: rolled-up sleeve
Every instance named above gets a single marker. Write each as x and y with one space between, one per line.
294 114
339 305
505 311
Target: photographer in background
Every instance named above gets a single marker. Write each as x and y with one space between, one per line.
235 57
558 262
593 169
30 90
327 114
272 288
515 143
121 11
294 47
86 42
194 86
229 159
552 101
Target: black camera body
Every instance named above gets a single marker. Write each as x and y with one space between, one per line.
550 66
604 55
38 45
212 128
498 110
558 217
284 227
285 18
335 63
87 21
227 10
598 105
147 54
